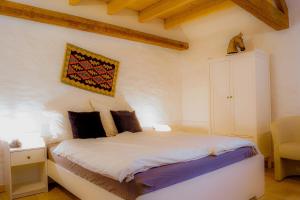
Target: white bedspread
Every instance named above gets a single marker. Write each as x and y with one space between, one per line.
122 156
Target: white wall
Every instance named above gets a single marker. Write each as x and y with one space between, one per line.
32 98
209 38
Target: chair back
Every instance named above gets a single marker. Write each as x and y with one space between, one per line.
287 129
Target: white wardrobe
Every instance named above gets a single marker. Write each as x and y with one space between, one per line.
240 97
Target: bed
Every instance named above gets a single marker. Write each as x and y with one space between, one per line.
234 172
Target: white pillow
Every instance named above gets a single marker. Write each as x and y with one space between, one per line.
56 125
104 106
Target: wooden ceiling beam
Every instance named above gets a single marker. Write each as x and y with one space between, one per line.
196 11
281 5
115 6
266 12
160 8
74 2
18 10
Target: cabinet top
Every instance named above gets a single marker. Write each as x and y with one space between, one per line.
30 143
233 56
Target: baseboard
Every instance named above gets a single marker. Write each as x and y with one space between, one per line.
2 188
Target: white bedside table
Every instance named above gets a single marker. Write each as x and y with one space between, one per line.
26 169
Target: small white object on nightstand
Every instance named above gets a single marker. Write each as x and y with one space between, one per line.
26 168
162 128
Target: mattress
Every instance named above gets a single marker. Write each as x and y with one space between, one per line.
158 177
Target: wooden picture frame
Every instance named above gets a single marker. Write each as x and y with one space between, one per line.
89 71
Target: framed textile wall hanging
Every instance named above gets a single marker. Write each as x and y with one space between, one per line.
89 71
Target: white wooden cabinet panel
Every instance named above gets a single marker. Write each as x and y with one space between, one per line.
243 95
220 82
240 97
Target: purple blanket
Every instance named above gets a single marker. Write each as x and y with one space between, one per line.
164 176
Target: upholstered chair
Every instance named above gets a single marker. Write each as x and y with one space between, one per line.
286 139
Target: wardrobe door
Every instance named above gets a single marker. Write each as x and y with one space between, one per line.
243 95
221 108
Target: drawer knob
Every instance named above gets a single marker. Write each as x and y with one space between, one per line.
28 157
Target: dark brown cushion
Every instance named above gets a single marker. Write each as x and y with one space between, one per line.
86 125
126 121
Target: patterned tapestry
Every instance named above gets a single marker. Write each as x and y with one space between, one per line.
89 71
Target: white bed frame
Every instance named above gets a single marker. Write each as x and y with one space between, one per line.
240 181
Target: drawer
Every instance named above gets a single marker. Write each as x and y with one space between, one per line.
27 157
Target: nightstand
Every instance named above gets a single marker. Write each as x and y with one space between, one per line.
26 169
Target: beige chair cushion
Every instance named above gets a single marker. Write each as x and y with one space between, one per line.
290 150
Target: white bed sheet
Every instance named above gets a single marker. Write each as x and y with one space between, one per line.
122 156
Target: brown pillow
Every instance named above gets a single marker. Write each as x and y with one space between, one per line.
86 125
126 121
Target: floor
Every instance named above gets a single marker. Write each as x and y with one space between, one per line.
289 189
